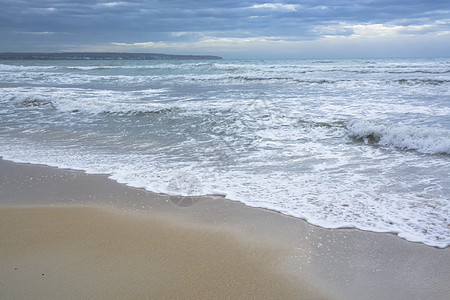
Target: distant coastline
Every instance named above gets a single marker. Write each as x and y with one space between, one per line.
102 56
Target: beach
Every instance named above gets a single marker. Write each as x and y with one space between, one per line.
225 179
344 143
67 234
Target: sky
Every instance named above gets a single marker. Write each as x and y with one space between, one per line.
230 28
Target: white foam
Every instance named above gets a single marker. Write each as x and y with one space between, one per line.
86 100
15 68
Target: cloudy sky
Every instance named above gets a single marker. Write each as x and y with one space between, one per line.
230 28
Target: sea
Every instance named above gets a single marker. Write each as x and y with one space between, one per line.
340 143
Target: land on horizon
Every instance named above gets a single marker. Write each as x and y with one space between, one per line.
99 56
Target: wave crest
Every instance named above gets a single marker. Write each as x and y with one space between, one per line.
30 101
421 139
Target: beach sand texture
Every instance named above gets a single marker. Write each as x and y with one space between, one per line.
86 252
68 235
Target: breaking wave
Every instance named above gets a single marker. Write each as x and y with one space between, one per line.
88 101
422 139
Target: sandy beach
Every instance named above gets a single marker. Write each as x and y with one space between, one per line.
87 252
65 234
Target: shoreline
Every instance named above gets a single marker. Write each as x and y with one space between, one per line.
180 200
327 263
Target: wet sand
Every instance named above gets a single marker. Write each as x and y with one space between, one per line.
66 234
88 252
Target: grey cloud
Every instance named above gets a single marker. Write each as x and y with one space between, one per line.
157 20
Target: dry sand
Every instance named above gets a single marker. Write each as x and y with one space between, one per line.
66 234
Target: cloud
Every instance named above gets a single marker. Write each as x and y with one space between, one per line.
276 6
369 30
112 4
347 40
176 25
37 32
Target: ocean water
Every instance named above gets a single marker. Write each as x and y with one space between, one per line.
339 143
